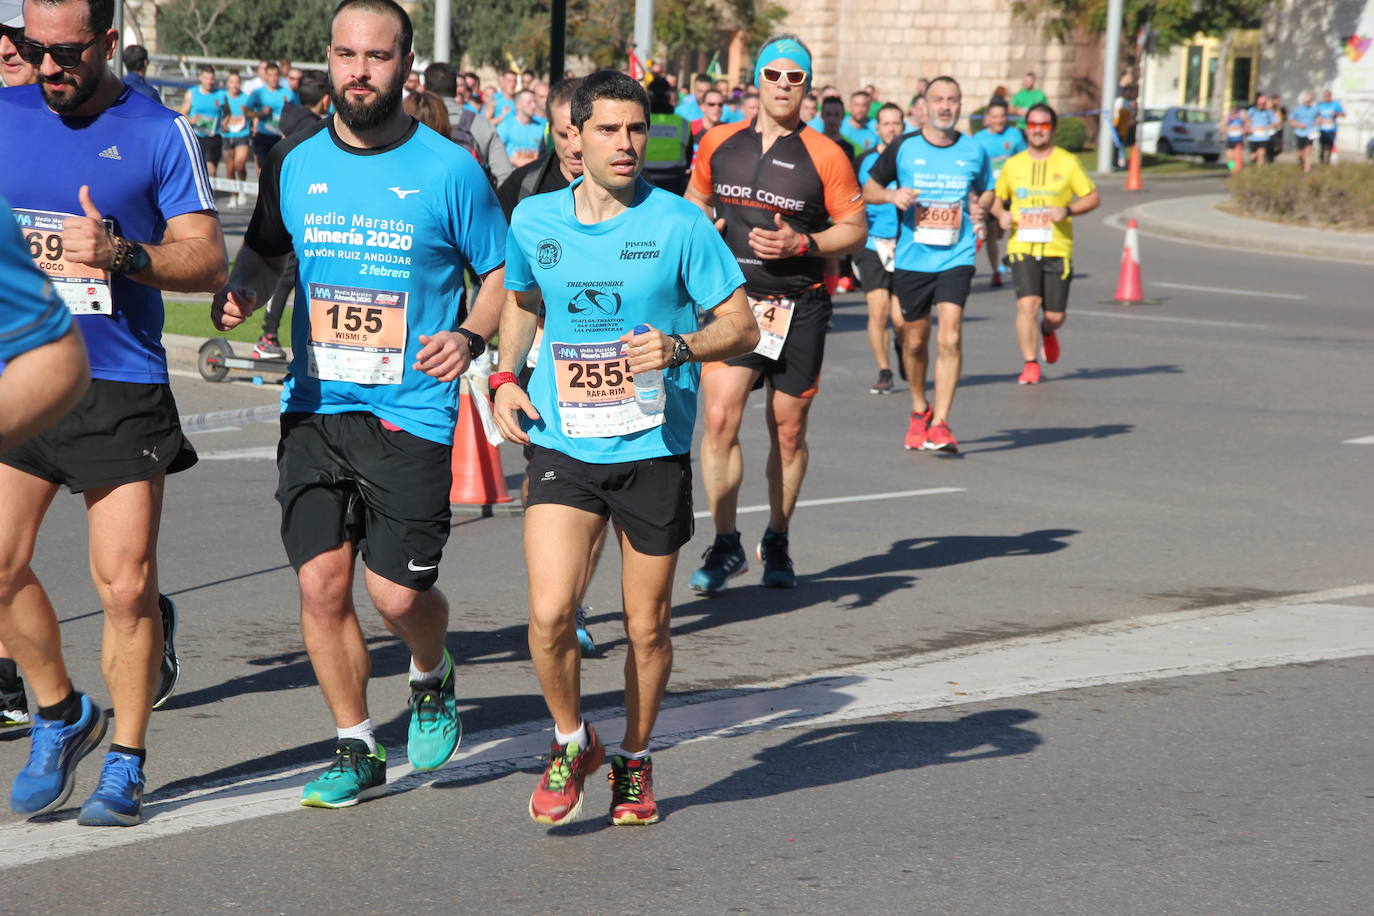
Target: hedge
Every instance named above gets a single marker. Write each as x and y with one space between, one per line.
1338 196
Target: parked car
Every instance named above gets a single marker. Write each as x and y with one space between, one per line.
1180 131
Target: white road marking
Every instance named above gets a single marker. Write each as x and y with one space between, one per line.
1261 634
1254 293
1137 316
1367 440
835 500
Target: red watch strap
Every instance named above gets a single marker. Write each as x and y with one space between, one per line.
497 379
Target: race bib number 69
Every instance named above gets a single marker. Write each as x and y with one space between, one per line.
84 289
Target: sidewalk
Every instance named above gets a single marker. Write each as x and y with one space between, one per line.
1197 219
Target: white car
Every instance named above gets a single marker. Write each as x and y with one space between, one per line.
1180 131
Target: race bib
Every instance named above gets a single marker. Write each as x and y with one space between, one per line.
235 123
938 222
357 335
523 157
1034 226
596 393
270 125
1326 123
84 289
887 252
775 320
204 125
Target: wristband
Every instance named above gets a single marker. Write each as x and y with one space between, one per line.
809 246
497 379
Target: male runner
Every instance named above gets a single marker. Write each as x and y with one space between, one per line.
692 106
874 260
1262 122
1329 111
383 214
1303 120
620 253
1040 191
712 113
787 200
1000 142
503 100
205 106
858 128
14 71
832 117
936 171
265 104
117 207
522 135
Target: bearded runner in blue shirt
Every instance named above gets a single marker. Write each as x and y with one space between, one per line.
111 196
383 215
937 172
608 256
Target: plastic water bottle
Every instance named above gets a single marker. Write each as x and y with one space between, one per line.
649 393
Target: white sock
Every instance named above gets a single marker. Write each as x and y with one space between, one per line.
635 755
360 732
579 736
437 674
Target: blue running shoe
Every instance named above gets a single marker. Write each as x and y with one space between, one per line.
435 729
725 559
55 750
118 800
170 671
584 636
355 775
777 564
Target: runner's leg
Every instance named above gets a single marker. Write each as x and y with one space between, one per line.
949 339
646 590
879 307
333 637
419 619
28 623
1028 326
726 391
787 455
916 355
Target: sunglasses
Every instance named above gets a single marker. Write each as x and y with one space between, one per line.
68 57
711 104
13 33
791 77
1039 125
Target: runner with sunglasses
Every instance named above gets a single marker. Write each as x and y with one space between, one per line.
116 208
14 70
1040 191
787 199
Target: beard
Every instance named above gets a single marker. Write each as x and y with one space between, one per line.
364 116
65 103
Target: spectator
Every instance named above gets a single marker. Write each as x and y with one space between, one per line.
429 110
135 70
670 141
467 121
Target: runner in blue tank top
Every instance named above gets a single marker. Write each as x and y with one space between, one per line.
1000 141
205 106
383 215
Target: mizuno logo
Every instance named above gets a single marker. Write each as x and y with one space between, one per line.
413 568
402 194
111 152
319 187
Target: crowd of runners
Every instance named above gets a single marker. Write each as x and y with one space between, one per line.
375 209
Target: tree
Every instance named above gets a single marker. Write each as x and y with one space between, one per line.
292 29
758 19
1168 23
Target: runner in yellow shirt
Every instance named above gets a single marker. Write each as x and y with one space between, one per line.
1040 191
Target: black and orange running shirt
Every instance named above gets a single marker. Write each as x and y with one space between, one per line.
805 176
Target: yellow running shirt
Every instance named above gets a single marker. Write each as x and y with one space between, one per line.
1032 185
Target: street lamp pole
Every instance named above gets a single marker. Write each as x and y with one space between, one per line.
644 30
558 27
1110 70
443 29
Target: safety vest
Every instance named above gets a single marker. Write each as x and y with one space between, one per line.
669 137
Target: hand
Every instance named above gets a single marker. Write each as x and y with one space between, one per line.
507 401
651 350
720 225
84 238
902 198
976 213
774 244
443 355
232 306
1058 213
1004 220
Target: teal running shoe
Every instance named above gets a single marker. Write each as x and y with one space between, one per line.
118 800
435 729
355 775
724 560
777 564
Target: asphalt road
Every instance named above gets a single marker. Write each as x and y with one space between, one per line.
1190 453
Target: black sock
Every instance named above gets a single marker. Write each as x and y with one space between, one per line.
139 752
67 710
9 673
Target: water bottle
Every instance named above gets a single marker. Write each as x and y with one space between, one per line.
649 393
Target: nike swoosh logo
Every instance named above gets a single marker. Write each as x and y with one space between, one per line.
413 568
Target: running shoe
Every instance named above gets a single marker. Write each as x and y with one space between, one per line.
56 748
14 717
1030 375
267 347
940 439
171 665
884 383
118 800
777 565
558 797
916 432
584 636
632 792
435 729
725 559
1049 346
14 705
356 775
996 279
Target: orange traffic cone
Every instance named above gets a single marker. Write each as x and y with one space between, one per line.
1128 291
1133 182
477 475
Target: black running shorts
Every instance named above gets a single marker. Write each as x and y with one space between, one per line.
872 274
212 148
917 292
1048 278
797 370
346 477
650 500
119 432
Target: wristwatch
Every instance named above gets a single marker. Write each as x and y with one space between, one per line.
681 352
476 345
129 257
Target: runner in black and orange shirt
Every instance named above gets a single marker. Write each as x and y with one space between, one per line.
777 186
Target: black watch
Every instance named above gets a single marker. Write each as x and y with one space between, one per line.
130 257
476 345
681 352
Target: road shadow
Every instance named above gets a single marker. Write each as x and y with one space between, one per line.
1043 435
1106 372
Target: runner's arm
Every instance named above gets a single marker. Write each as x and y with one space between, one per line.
901 198
186 102
733 331
519 321
445 355
38 387
252 282
1085 204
